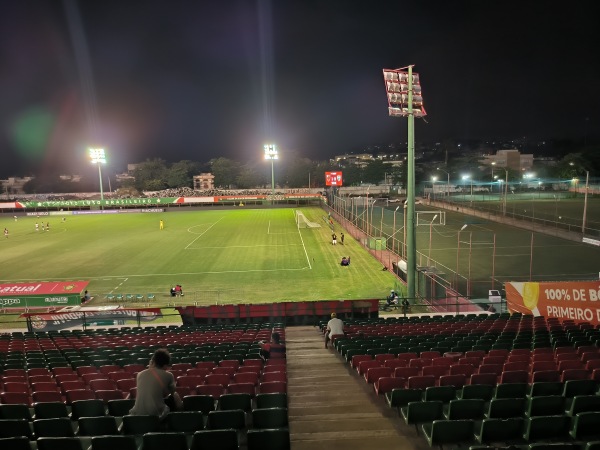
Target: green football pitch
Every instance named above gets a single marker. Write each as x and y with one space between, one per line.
218 256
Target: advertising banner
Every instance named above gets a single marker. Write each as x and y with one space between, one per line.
76 317
41 295
573 300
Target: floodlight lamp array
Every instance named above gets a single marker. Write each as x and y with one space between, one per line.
271 152
97 155
397 88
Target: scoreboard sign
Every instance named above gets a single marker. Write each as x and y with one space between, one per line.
333 179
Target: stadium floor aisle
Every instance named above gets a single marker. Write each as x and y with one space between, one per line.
331 408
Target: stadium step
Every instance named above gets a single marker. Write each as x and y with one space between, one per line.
330 407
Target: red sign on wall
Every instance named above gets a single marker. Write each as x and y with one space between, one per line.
333 178
574 300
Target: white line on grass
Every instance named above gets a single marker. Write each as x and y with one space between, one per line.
243 246
201 234
305 252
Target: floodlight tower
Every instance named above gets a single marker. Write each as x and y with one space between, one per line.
404 100
98 157
271 153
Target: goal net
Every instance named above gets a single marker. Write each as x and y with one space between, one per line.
303 222
431 217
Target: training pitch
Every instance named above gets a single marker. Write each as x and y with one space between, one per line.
218 256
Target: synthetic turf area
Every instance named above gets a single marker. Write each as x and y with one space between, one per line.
226 256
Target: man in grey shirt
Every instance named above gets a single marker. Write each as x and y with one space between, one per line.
153 385
334 327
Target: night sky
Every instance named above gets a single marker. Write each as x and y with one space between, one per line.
192 79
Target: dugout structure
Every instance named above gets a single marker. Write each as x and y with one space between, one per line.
303 222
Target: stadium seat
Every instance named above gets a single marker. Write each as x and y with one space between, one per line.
185 421
220 420
57 427
546 427
269 418
500 430
59 443
162 440
97 426
504 408
443 432
139 424
268 439
415 413
387 384
585 426
465 409
114 442
213 439
235 401
545 405
202 403
15 443
87 408
50 410
275 400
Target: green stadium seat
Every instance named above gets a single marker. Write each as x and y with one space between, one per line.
185 421
547 428
399 398
586 426
15 443
268 439
114 442
443 432
465 409
500 430
59 443
481 391
504 408
416 413
213 439
164 440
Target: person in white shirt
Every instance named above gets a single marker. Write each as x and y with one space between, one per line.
334 326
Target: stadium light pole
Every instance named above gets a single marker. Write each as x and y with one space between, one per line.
271 154
448 184
98 157
457 257
430 235
394 228
403 91
433 180
505 191
585 200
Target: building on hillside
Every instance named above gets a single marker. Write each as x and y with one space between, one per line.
509 159
204 181
14 185
360 160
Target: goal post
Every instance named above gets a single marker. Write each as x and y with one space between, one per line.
303 222
431 217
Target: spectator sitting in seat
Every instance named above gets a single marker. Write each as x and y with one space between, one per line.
272 349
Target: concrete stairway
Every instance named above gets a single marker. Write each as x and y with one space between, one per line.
331 408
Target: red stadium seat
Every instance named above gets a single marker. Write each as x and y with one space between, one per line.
458 381
270 387
386 384
374 373
406 372
514 376
420 382
214 390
